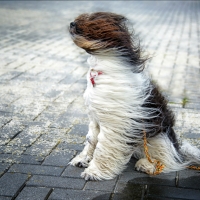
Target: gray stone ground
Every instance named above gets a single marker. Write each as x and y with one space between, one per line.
42 115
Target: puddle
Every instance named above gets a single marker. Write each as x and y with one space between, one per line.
102 197
150 188
131 192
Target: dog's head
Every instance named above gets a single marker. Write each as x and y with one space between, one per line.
100 31
104 32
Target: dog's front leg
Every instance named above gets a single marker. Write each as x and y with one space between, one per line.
83 159
110 157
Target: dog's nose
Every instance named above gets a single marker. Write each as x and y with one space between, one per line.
72 24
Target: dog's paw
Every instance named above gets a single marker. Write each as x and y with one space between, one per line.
80 161
145 166
90 175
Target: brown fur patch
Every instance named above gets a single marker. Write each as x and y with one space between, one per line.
107 31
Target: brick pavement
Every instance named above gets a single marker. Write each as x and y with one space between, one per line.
42 115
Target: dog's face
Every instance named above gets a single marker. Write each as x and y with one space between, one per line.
100 31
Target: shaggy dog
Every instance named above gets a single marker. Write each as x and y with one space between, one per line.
123 104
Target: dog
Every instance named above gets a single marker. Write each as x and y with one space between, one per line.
123 104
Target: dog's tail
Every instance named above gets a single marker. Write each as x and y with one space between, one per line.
162 149
190 153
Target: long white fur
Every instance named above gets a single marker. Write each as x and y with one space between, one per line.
113 104
191 153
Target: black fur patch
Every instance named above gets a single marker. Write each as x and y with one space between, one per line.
162 120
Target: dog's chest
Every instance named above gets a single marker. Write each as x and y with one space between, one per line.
90 92
92 77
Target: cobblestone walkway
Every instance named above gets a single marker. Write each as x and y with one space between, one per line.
42 115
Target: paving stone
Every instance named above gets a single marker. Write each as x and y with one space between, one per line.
30 159
32 193
9 158
65 145
68 118
101 185
161 179
33 110
72 171
4 141
68 96
36 169
52 134
47 117
42 147
58 107
194 106
14 150
68 80
172 192
2 147
3 167
5 114
53 94
74 76
161 198
59 157
131 191
4 108
4 120
142 178
28 136
11 129
5 198
10 183
74 139
189 179
10 75
79 129
78 194
56 182
22 102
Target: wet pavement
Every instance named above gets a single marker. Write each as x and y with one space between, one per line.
43 122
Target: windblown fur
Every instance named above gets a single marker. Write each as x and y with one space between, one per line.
123 102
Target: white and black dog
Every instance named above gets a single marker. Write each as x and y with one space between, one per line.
122 103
